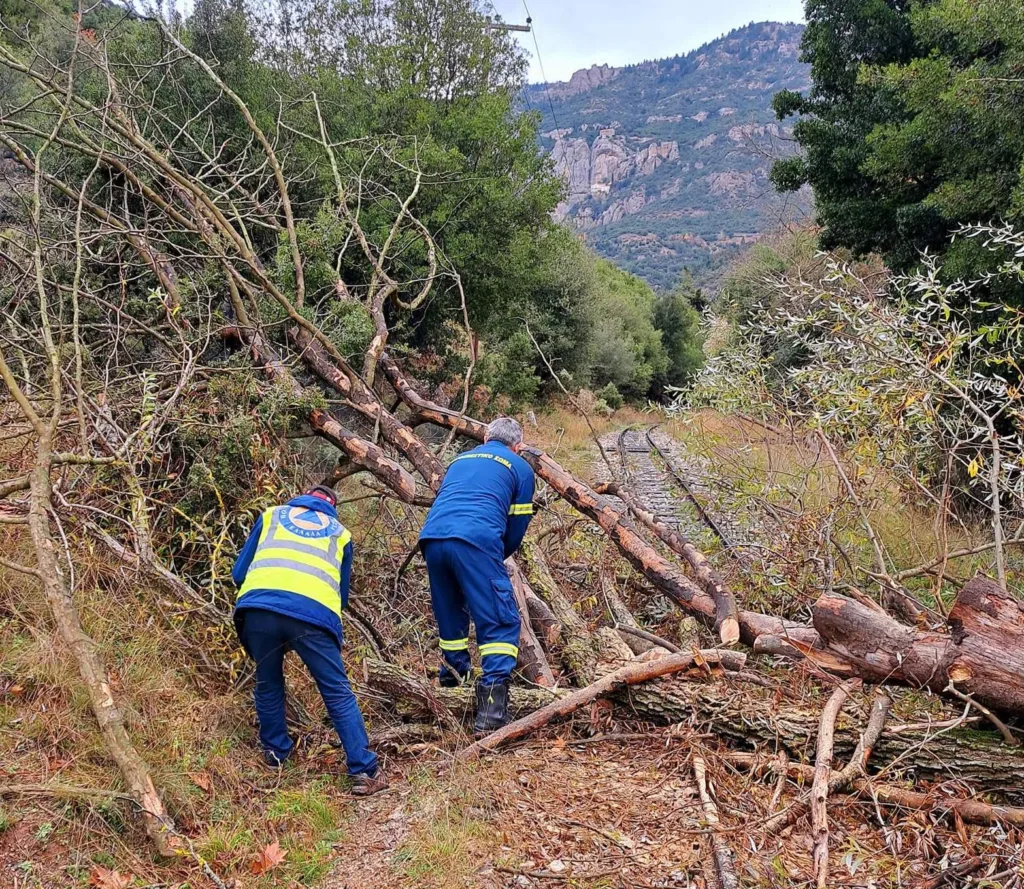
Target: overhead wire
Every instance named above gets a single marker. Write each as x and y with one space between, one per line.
540 64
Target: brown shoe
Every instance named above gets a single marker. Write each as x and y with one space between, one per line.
367 785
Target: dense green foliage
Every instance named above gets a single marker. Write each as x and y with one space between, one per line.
392 104
699 209
913 125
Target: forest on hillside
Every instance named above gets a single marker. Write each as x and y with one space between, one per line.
771 606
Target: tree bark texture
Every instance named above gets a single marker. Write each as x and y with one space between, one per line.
532 660
983 653
133 767
360 398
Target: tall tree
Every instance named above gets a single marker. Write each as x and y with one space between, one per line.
913 125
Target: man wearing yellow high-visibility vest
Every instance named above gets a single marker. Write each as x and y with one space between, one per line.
293 579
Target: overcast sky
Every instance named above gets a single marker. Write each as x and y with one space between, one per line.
576 34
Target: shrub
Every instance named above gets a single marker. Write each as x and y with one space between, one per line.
611 397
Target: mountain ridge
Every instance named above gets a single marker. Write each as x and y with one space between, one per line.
666 161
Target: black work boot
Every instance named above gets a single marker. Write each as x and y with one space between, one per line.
491 706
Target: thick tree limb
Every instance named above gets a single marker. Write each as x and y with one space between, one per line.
727 615
631 674
819 787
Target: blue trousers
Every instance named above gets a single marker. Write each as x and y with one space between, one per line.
266 636
466 582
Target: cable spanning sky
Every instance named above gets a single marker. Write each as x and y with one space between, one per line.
575 34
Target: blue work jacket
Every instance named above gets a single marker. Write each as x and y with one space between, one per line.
281 601
486 499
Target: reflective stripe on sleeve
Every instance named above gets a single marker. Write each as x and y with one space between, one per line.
521 509
499 648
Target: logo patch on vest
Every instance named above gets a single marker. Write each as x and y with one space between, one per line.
309 523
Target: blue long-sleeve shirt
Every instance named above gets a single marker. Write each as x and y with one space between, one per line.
281 601
486 499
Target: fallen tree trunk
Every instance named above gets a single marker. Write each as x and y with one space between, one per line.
631 674
746 715
983 654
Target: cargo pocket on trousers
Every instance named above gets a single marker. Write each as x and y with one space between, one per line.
508 612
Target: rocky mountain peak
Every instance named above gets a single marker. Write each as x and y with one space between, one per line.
583 80
666 162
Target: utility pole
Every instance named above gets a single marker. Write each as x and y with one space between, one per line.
504 26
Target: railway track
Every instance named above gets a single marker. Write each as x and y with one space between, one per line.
658 489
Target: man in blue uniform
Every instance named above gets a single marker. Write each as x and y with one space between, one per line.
478 520
293 579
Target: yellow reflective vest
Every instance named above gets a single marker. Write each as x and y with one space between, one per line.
299 551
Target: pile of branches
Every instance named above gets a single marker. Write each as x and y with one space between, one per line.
147 254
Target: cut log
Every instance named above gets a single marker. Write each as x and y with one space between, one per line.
631 674
983 654
727 615
532 660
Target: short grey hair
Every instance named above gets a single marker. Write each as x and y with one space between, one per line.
506 430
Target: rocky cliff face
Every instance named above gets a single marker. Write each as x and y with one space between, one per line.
583 80
666 162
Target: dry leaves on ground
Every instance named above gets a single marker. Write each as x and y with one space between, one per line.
270 856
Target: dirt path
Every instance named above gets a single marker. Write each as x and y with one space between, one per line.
566 811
